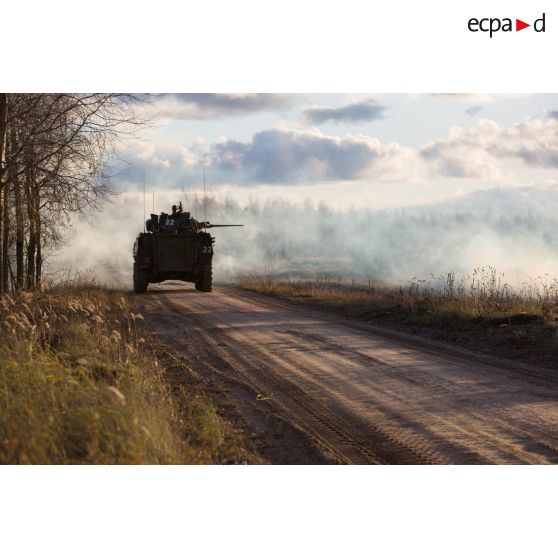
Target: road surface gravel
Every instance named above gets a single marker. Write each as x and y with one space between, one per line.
364 393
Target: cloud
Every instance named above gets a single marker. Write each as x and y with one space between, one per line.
279 155
476 97
203 106
287 156
363 111
166 165
282 155
473 111
463 97
478 152
290 156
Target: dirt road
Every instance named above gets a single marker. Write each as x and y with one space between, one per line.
364 394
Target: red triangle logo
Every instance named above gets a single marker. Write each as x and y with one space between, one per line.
519 25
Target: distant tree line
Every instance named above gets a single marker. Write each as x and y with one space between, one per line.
291 239
53 152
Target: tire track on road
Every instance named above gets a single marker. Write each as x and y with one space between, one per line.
368 397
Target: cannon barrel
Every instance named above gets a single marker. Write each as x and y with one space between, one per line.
207 225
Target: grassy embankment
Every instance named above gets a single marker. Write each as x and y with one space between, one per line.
480 310
81 382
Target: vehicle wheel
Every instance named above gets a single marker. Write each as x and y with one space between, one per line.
140 280
205 279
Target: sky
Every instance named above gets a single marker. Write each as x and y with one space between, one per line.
347 150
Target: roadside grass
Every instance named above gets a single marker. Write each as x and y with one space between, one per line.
479 309
82 382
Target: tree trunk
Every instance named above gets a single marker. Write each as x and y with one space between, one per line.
5 237
3 126
38 261
19 218
30 281
38 254
1 237
31 245
19 235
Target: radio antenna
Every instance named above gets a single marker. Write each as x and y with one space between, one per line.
204 198
153 211
144 201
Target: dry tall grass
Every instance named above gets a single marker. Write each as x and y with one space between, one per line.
483 293
78 384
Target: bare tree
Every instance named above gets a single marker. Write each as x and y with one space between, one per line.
56 149
3 202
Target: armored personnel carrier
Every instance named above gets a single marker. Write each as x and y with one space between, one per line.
175 246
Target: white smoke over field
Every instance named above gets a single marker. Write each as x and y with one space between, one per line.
514 230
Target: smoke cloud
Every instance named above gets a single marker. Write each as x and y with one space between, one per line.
514 230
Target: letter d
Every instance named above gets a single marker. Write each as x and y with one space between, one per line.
540 21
